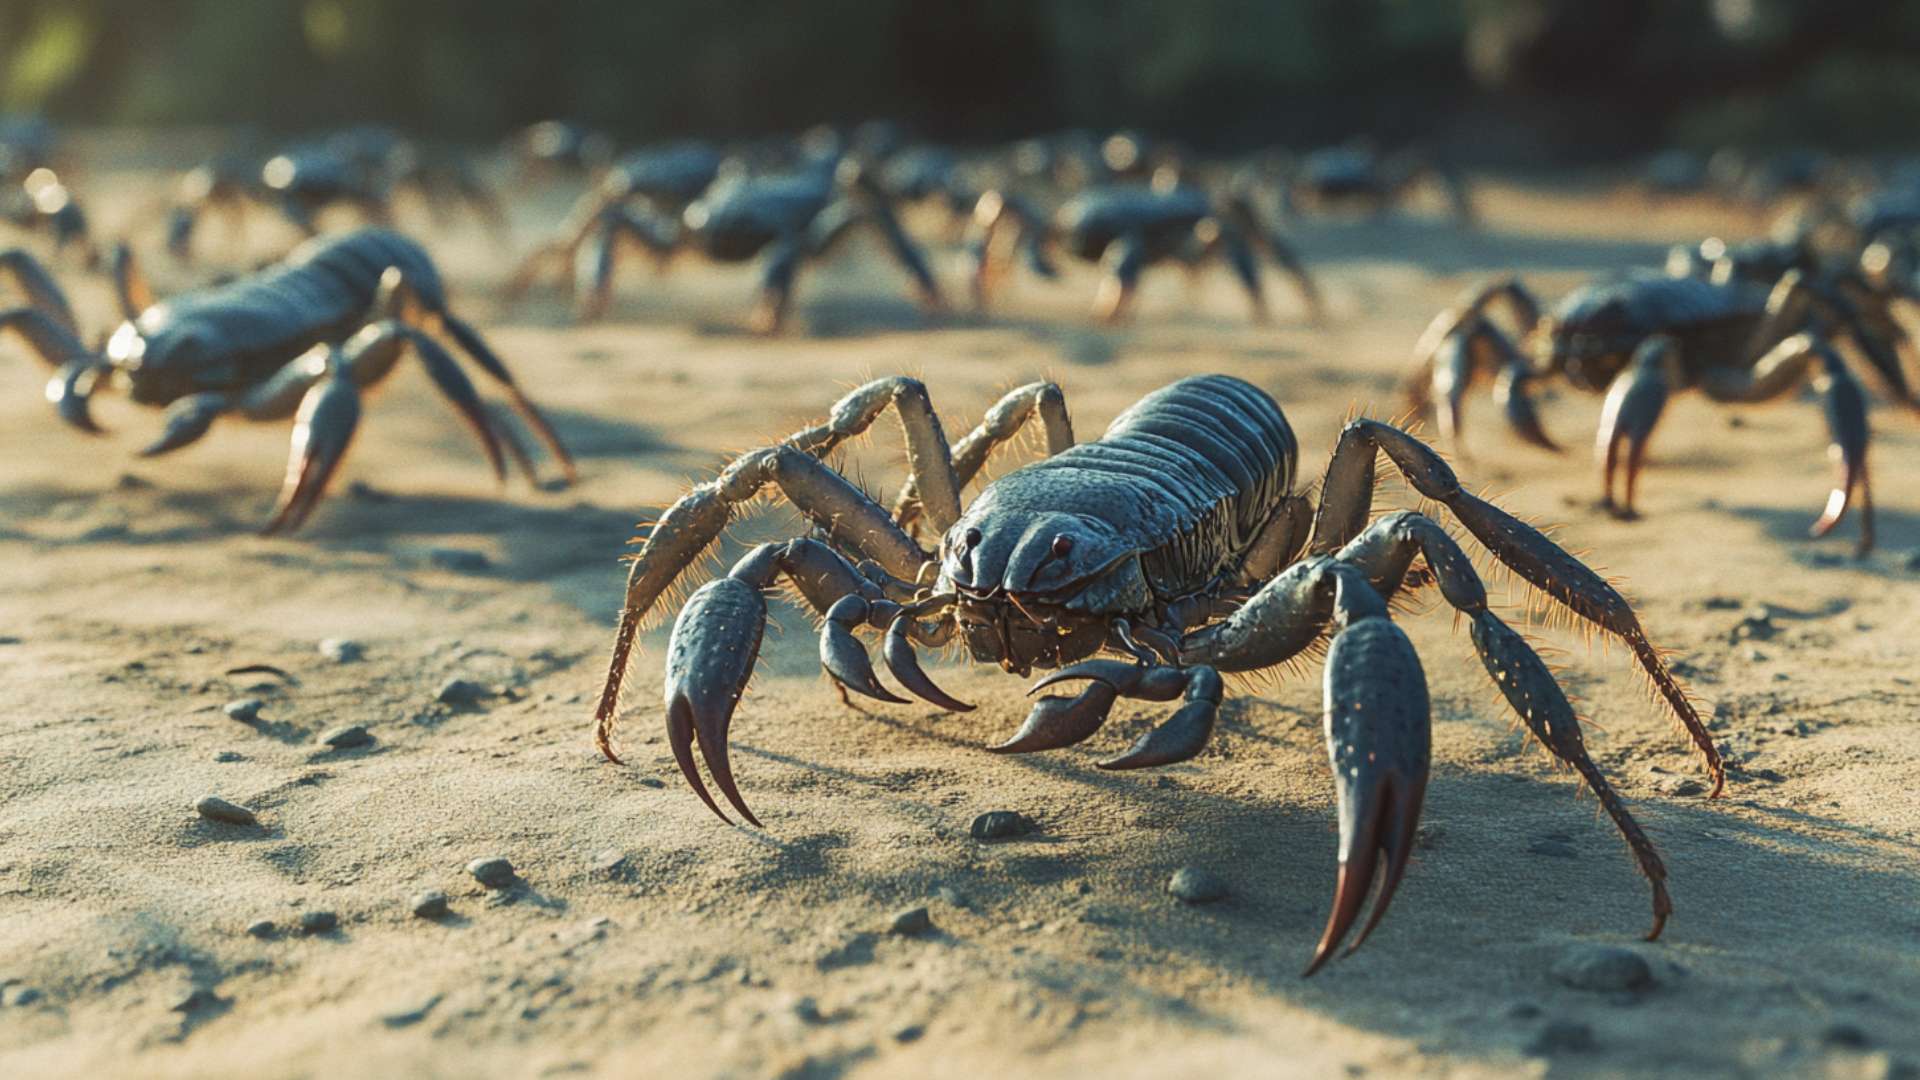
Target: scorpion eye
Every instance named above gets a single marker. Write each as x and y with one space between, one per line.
971 538
1062 546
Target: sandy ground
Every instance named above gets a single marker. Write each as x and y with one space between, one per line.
643 937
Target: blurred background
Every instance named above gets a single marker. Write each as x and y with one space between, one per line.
1499 82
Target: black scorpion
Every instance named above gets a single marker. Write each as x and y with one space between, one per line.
1178 542
303 337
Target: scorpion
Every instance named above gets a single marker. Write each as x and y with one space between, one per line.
300 339
1357 175
787 217
1180 543
1760 322
1127 227
660 180
360 168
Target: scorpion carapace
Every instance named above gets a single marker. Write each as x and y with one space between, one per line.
1178 544
299 339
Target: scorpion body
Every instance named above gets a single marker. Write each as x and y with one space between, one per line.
1177 544
300 339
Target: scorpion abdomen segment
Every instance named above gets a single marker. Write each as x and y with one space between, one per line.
1229 459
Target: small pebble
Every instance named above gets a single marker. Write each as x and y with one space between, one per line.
1553 848
806 1010
1000 825
215 808
16 996
1563 1037
460 560
460 692
342 650
911 922
192 999
245 710
318 922
1848 1035
429 904
950 895
909 1033
346 737
493 872
228 757
1196 886
1602 967
261 928
611 863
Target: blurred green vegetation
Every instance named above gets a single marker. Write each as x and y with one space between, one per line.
1567 76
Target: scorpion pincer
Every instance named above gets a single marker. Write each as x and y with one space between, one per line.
1179 545
302 338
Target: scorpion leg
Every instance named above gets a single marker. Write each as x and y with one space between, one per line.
1346 502
716 639
991 212
130 282
77 372
1627 418
42 292
1384 551
329 412
776 286
1781 370
851 518
595 260
1451 361
476 347
1001 423
1288 260
1120 267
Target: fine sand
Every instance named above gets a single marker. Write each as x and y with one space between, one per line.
644 937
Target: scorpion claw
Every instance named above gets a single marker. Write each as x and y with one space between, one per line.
709 660
321 434
1057 721
1120 675
905 666
1379 743
1177 738
70 391
846 659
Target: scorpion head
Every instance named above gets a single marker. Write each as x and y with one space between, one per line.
1037 590
164 359
1591 335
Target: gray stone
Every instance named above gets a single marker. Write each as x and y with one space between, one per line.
1196 885
1602 968
245 710
460 560
192 999
1563 1037
460 692
215 808
429 904
494 872
346 737
318 922
261 928
18 997
911 922
1000 825
909 1033
228 757
342 650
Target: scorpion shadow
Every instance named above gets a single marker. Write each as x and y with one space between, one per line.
1462 962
